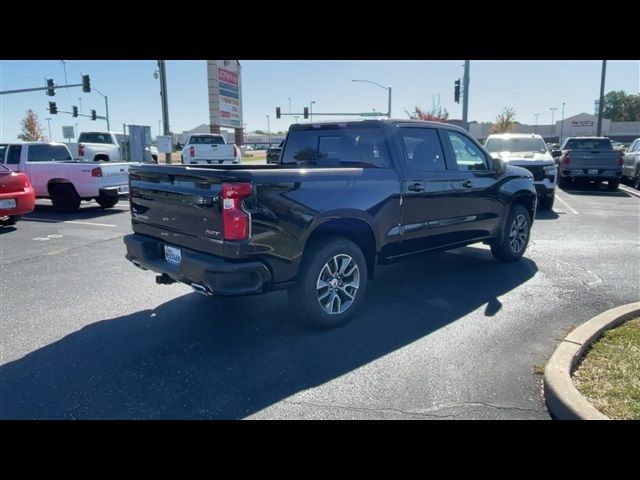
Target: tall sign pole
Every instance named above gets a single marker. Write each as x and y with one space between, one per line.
601 102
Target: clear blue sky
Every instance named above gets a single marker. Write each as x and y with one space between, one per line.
529 87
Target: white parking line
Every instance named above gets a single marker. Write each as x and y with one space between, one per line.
630 190
573 210
75 222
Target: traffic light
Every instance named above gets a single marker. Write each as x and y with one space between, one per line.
277 112
93 114
306 112
456 91
53 108
86 84
50 91
75 111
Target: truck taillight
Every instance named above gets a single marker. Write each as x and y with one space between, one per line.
192 152
80 150
566 159
96 172
235 220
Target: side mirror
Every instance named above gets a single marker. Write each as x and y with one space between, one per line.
498 165
556 153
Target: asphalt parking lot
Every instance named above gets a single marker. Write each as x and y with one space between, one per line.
86 335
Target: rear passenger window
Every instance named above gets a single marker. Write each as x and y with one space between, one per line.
48 153
466 153
13 157
336 147
422 149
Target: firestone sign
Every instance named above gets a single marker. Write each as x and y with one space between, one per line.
582 123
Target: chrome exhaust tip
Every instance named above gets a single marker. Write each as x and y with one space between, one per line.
200 289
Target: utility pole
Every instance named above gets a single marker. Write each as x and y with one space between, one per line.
269 129
561 126
465 99
165 104
48 119
601 102
64 66
311 111
535 129
553 126
289 104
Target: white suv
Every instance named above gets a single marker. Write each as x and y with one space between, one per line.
528 151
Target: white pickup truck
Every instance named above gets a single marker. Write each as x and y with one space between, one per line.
104 147
55 175
209 148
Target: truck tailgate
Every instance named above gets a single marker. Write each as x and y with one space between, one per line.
179 206
114 175
595 158
214 152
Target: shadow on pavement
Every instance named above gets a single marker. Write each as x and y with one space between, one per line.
7 229
87 211
592 188
547 215
205 357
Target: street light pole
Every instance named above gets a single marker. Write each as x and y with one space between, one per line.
553 126
388 89
106 106
535 129
311 110
296 117
48 119
165 104
80 100
289 104
561 126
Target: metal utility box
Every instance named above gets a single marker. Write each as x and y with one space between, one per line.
139 143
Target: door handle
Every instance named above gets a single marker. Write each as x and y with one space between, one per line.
416 187
467 184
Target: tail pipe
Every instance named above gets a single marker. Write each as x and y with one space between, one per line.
200 289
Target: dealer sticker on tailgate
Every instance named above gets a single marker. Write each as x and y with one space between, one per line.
172 255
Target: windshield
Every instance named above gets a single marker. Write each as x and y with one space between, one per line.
516 145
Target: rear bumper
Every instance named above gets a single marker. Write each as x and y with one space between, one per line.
196 161
25 202
591 173
113 192
216 274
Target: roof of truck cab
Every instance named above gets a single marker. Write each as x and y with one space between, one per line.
514 135
389 121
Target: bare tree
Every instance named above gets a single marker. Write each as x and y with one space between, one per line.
505 121
436 114
31 129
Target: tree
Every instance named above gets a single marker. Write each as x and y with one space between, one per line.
505 121
260 132
436 114
620 107
31 129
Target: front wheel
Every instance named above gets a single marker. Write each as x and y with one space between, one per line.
636 181
546 203
331 283
515 237
107 202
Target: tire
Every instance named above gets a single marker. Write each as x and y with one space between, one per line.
546 203
635 182
65 198
323 262
515 237
613 185
563 183
107 202
10 221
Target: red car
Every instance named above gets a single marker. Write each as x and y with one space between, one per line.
16 196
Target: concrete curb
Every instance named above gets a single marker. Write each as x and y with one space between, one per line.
563 399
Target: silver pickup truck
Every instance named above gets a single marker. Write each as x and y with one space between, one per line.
591 158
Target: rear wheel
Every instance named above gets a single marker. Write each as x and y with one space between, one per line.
331 283
636 181
515 237
613 185
10 221
65 198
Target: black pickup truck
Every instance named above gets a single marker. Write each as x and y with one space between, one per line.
345 198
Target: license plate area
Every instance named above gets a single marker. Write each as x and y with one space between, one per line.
593 171
8 204
172 255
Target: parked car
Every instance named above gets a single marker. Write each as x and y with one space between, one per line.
17 197
631 164
55 175
528 151
345 198
273 153
590 158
